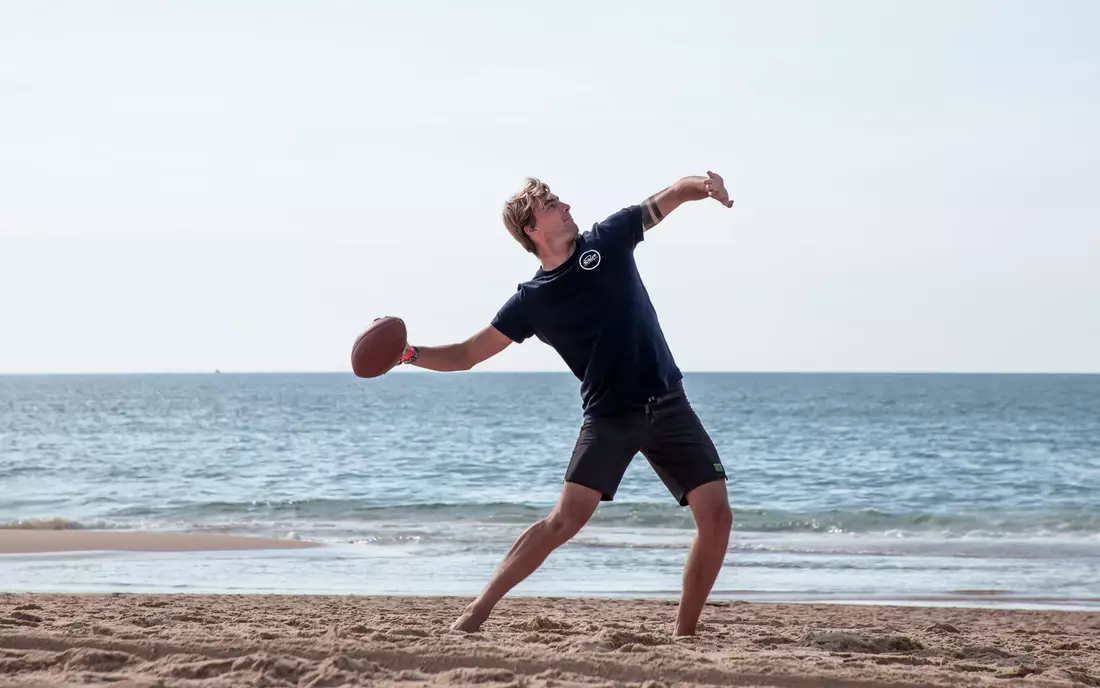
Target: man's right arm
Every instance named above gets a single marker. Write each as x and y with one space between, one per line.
461 356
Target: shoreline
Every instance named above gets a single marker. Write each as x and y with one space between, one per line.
292 640
119 561
43 541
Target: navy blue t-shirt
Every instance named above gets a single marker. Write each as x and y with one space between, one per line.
595 312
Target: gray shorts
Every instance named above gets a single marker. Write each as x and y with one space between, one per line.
666 431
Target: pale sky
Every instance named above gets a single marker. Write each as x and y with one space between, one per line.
244 186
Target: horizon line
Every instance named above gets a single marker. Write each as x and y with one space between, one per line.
546 372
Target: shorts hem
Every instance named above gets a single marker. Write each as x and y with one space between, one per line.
720 476
605 496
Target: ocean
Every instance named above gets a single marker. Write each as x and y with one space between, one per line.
921 488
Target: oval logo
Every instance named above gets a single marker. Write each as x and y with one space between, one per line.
590 259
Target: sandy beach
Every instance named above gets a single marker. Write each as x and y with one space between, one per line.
154 640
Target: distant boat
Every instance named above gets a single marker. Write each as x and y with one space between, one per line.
217 372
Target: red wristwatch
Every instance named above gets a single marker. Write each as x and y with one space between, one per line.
411 355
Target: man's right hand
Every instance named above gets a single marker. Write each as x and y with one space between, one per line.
716 189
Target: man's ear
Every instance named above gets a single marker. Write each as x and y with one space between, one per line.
529 229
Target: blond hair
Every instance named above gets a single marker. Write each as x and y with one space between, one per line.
519 211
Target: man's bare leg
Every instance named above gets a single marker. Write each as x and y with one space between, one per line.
575 506
713 520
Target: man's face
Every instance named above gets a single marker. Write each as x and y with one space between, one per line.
554 220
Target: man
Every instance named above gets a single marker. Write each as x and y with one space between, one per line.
587 301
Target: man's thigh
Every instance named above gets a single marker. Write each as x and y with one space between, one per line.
679 448
604 449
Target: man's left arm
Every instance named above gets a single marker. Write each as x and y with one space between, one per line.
659 205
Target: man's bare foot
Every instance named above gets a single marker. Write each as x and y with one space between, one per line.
470 621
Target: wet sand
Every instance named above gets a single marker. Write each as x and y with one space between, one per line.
184 640
37 541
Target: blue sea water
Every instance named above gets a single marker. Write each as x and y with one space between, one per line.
857 487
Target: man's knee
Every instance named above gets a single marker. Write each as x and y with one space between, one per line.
711 509
576 506
564 525
715 520
567 520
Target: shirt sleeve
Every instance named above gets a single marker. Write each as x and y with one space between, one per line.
623 228
512 320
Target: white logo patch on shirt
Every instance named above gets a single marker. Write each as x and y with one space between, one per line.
590 259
